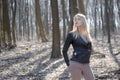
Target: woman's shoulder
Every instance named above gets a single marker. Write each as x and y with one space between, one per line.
70 34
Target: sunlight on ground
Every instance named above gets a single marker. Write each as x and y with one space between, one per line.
34 63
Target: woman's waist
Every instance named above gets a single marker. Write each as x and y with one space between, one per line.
81 50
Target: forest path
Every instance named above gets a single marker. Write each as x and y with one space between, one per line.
31 61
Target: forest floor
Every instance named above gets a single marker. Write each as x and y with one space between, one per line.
31 61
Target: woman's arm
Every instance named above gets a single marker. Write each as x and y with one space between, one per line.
66 46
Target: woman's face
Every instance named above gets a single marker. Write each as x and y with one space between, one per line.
77 21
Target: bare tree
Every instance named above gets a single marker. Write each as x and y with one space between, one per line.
118 5
56 52
95 18
1 31
27 20
13 22
6 23
72 10
81 7
39 22
64 17
107 19
45 12
112 16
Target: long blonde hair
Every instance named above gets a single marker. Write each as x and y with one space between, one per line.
83 29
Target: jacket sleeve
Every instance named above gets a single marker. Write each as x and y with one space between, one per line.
89 45
67 43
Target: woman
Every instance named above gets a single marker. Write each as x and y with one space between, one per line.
80 39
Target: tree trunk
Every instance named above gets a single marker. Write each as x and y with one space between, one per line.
3 35
39 22
72 10
6 22
112 16
0 24
46 18
20 32
107 19
27 20
95 19
81 7
118 5
64 14
14 23
102 19
56 52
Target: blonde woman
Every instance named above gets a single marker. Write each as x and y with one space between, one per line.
80 39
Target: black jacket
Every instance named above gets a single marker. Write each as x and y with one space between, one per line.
82 50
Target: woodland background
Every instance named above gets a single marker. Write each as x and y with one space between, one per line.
32 33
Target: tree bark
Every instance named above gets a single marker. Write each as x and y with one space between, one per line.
14 23
118 5
27 20
6 22
56 52
64 14
95 19
81 7
107 19
72 10
112 16
39 22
